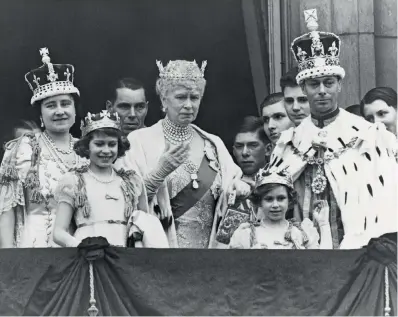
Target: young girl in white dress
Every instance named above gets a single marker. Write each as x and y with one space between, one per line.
273 196
104 201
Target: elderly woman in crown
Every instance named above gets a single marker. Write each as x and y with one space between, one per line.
33 163
188 172
101 200
272 197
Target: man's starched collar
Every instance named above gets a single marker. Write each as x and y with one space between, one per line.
323 121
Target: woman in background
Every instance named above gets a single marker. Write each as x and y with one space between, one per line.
380 105
19 128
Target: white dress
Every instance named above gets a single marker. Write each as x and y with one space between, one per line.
30 160
295 236
107 215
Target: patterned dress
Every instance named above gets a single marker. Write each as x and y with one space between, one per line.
29 173
193 209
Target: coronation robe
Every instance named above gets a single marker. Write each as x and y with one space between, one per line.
359 163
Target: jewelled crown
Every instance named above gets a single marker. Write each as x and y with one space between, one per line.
180 70
95 121
50 79
282 177
317 53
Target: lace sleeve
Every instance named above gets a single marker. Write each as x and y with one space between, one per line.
66 189
13 170
312 234
241 237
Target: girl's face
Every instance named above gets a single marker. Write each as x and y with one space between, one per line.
103 150
380 111
274 204
58 113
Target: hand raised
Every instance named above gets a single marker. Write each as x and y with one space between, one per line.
174 155
321 212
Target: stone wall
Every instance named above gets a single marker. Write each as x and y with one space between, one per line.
368 30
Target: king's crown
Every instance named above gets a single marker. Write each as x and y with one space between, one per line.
317 53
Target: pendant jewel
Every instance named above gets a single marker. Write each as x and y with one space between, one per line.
319 182
194 178
192 169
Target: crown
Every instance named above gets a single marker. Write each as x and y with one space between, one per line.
180 69
95 121
266 176
50 79
317 53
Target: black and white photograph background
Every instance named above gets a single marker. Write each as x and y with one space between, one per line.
108 40
279 200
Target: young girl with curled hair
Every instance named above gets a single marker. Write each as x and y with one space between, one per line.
273 197
101 200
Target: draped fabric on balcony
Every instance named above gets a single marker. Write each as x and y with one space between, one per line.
199 282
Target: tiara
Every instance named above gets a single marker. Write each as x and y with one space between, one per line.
317 53
104 119
266 176
50 79
180 69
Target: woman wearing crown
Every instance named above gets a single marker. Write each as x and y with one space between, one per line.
273 196
187 171
33 163
101 200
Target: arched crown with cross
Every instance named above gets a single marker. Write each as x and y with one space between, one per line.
50 79
317 53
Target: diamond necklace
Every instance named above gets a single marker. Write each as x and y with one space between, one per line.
175 133
50 140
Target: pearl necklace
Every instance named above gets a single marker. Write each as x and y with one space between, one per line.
64 167
50 140
176 134
110 180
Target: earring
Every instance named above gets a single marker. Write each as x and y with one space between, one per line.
41 122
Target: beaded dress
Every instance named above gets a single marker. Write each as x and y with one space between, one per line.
30 171
193 190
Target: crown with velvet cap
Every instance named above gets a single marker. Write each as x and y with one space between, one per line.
267 176
95 121
50 79
317 53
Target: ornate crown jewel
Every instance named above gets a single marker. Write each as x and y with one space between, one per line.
317 53
50 79
95 121
180 69
267 176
